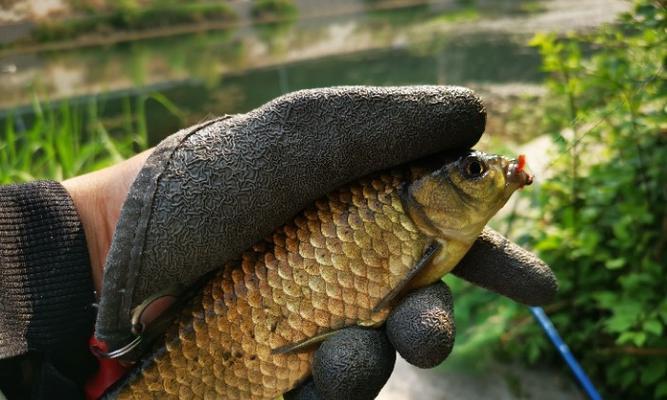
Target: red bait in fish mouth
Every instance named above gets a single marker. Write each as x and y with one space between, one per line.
520 169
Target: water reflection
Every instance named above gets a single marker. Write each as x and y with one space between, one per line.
234 70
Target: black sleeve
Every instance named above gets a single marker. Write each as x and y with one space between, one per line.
46 293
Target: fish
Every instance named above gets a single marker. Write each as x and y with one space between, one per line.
345 260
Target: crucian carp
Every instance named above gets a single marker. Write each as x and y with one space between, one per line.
346 260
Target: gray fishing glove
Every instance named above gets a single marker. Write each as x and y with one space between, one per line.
210 191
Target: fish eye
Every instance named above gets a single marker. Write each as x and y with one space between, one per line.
473 167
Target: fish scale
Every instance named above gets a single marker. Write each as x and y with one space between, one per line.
326 269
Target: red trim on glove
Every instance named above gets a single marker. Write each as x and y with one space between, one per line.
107 374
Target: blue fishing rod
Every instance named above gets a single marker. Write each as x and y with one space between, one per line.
548 327
559 344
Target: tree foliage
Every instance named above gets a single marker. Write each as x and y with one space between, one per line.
602 220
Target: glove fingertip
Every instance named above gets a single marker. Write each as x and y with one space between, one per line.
497 264
422 328
354 364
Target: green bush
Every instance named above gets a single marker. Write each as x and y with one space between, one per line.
602 220
128 16
274 9
170 15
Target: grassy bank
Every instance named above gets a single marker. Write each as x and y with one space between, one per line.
128 16
67 139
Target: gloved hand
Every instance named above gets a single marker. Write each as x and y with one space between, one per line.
210 191
355 363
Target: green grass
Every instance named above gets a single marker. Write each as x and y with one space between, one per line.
71 139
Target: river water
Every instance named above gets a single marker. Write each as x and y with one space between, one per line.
350 42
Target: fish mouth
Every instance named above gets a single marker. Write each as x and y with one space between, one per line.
516 173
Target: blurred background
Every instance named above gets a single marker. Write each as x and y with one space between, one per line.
577 85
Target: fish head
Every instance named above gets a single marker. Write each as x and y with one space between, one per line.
457 199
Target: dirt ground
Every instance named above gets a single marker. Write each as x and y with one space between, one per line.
500 382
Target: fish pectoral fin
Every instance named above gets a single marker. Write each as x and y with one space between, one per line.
302 344
423 262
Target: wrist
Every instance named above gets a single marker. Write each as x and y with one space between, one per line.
98 198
